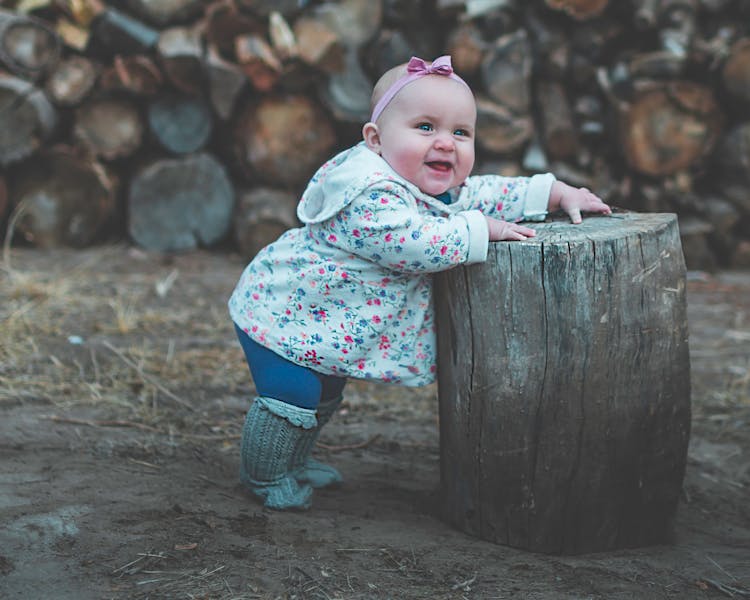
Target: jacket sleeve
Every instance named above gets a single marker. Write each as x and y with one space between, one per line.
385 226
508 198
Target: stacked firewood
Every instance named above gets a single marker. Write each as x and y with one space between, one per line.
185 123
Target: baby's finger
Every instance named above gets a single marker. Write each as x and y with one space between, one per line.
525 231
575 215
599 207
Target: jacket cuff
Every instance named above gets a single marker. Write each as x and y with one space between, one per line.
537 197
479 236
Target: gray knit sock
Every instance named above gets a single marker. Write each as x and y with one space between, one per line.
274 439
307 469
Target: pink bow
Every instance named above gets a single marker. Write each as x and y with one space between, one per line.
415 69
439 66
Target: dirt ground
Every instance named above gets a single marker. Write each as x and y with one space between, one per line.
122 395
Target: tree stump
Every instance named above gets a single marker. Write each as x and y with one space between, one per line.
564 386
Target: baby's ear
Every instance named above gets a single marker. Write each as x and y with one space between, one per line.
371 135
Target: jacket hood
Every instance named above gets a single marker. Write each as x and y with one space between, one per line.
342 179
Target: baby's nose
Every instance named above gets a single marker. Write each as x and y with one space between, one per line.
444 141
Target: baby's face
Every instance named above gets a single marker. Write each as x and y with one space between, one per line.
426 133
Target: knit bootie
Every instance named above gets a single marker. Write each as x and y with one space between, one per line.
274 442
307 469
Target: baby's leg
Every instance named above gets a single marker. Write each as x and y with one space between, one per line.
311 471
282 427
272 439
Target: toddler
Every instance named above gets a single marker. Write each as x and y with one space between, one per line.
349 293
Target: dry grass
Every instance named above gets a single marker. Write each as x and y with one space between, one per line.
78 329
143 339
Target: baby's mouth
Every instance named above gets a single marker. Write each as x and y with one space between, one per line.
440 165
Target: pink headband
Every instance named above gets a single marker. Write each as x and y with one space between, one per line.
416 69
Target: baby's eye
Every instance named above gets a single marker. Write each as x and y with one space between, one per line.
462 132
425 126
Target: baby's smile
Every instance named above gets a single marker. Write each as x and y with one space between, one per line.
440 165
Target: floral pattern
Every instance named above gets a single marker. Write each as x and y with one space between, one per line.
349 293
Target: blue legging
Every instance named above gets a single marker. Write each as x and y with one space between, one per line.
276 377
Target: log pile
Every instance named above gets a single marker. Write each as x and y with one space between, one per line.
146 112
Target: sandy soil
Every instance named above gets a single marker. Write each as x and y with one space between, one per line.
122 395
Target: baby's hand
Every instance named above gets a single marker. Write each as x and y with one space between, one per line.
502 230
576 200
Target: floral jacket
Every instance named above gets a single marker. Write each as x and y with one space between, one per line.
350 293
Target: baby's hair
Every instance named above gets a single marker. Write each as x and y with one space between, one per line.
386 80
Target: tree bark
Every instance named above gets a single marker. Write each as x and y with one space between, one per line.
27 119
224 22
225 83
257 60
506 72
564 386
180 204
3 199
579 9
736 72
136 74
181 57
164 13
122 34
733 159
559 133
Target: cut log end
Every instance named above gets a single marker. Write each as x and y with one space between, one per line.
63 200
180 204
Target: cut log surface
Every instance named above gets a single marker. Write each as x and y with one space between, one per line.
109 127
347 94
319 45
28 46
499 130
356 22
181 124
261 216
669 127
27 119
282 140
71 80
564 386
180 204
63 200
